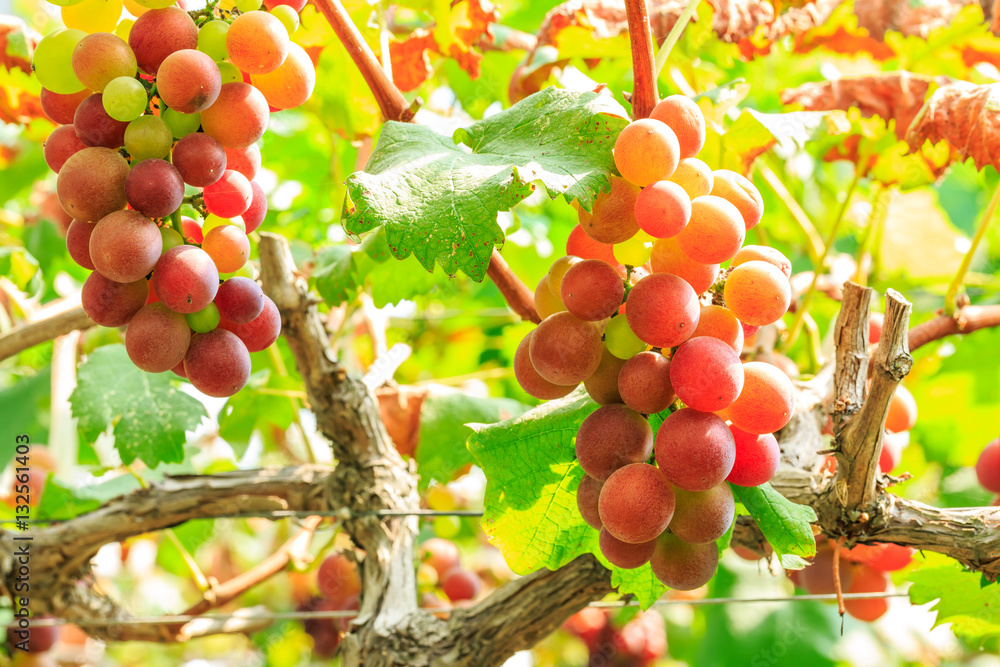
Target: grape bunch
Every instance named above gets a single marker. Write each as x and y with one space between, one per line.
988 468
165 111
642 313
640 642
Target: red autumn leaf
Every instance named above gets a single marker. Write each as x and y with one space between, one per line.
917 19
17 42
411 64
896 96
841 40
965 115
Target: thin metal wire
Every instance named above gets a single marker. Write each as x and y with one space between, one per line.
342 513
301 615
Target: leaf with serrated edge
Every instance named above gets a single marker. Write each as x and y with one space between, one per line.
784 523
149 416
439 201
530 503
960 600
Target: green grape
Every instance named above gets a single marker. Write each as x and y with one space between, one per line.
620 340
204 320
53 61
248 5
212 40
124 99
155 4
93 15
213 221
148 137
636 251
181 124
447 526
288 17
172 239
124 27
65 3
230 72
245 271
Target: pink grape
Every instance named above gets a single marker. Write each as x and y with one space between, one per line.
757 458
988 466
703 516
229 196
240 300
685 118
185 279
112 304
683 566
157 338
565 350
529 379
695 450
610 437
200 159
662 209
715 232
644 383
60 146
766 403
588 494
636 503
592 290
706 374
95 127
623 554
757 292
217 363
254 215
662 310
125 246
261 332
154 188
160 32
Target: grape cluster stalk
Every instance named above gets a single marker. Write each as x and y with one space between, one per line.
157 113
643 314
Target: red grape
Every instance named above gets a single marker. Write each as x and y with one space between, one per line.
254 215
528 377
667 257
741 193
240 300
988 466
587 496
706 374
91 183
683 566
623 554
766 403
112 304
185 279
125 246
157 338
610 437
160 32
229 196
78 243
95 127
592 290
602 385
695 450
338 578
757 458
715 231
703 516
644 383
217 363
200 159
60 108
188 81
565 350
261 332
646 151
60 146
636 503
757 292
461 585
155 188
663 310
685 118
239 116
244 160
662 209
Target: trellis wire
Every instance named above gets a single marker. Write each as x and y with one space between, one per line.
343 513
340 613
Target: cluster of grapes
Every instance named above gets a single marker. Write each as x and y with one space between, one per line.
441 568
638 643
862 569
339 584
170 115
988 468
622 314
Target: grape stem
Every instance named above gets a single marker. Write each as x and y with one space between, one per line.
644 93
815 246
951 296
175 221
674 36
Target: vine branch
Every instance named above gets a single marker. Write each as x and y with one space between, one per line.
34 333
644 93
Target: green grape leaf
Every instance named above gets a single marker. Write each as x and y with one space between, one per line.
148 415
961 598
530 501
62 502
439 201
784 523
441 451
335 276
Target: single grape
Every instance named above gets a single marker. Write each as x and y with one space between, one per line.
185 279
763 253
719 322
171 238
703 516
52 61
148 137
868 580
565 350
124 26
78 243
160 32
902 413
228 247
667 257
248 5
683 566
288 17
95 127
239 116
112 304
581 245
124 99
217 363
621 341
758 293
685 118
157 338
591 290
60 108
154 188
766 403
602 385
192 230
546 303
261 332
188 81
200 159
338 577
125 246
204 320
212 40
612 218
635 251
91 183
817 579
181 124
715 231
587 496
292 83
646 151
239 300
644 383
988 466
741 193
212 221
229 73
100 58
244 160
610 437
558 271
60 146
229 196
461 585
92 15
257 42
695 450
706 374
662 310
694 176
636 503
662 209
623 554
757 458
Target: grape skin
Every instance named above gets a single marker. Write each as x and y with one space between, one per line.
78 243
125 246
685 118
623 554
291 84
767 401
60 146
228 247
60 108
757 292
610 437
703 516
261 332
719 322
254 215
592 290
244 160
565 350
694 176
757 458
155 188
188 81
662 209
602 385
646 151
257 42
763 253
644 383
157 338
612 218
695 450
988 466
240 300
741 193
715 232
667 257
185 279
581 245
902 413
160 32
238 117
636 503
217 363
112 304
662 310
683 566
101 57
706 374
588 494
546 303
200 159
529 379
95 127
